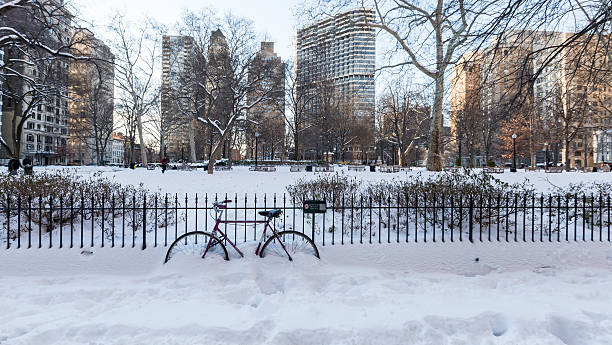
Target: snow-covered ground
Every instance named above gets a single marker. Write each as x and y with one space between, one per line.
241 180
389 294
426 293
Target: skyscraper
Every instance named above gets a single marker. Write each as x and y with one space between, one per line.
91 103
177 125
335 59
341 49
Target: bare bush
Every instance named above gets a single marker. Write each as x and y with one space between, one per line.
49 200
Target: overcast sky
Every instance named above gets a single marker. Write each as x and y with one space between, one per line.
273 19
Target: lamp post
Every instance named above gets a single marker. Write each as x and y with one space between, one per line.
513 153
546 154
182 151
256 137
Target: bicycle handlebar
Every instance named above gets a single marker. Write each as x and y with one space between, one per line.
222 204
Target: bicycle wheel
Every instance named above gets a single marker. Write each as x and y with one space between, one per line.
194 244
296 243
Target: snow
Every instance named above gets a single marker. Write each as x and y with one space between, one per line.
240 180
407 293
375 294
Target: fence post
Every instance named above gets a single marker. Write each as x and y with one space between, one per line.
19 221
8 222
71 220
50 226
61 220
323 226
102 201
144 222
30 221
471 221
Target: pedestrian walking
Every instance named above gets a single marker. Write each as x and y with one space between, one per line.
28 166
14 166
164 164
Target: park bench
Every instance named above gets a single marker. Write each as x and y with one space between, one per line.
150 166
356 168
263 168
605 168
493 170
222 168
450 168
554 170
297 168
389 169
533 169
324 168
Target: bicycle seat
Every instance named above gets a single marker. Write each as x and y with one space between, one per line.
272 213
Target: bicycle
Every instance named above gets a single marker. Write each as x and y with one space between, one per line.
280 243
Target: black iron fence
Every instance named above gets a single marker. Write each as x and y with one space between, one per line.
156 220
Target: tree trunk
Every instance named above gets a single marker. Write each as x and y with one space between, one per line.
215 152
532 154
132 150
192 141
566 161
401 154
434 158
143 151
296 142
162 142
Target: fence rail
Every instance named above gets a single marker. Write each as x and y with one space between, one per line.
143 221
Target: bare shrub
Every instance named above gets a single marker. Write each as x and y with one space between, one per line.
48 200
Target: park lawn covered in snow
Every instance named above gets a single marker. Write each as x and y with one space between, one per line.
241 181
408 293
362 294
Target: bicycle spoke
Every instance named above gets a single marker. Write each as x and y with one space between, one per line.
293 243
195 244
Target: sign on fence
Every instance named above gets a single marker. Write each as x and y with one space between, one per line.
315 206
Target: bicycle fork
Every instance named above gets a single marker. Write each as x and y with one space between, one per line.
261 239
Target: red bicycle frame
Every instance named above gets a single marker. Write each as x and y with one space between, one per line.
219 207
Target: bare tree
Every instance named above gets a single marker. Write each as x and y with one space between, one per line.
226 72
136 54
429 34
403 119
35 35
297 101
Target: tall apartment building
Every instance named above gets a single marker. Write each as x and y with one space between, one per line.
509 79
339 51
177 110
44 137
465 101
268 77
91 101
